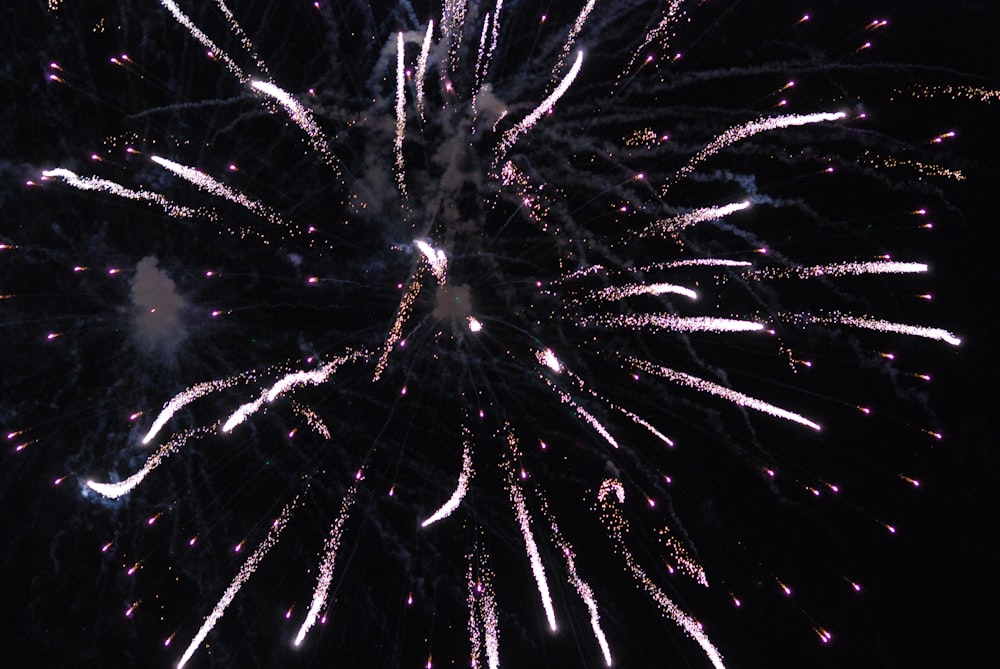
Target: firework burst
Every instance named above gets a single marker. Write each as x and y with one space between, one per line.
483 293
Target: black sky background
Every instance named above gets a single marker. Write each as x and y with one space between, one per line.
930 592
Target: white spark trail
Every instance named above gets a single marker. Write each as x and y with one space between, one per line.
746 130
879 325
106 186
721 391
483 619
242 577
611 495
622 292
693 217
207 183
116 490
329 560
421 73
841 269
460 489
574 32
673 323
397 144
182 399
524 521
286 383
583 589
301 117
196 32
513 134
436 258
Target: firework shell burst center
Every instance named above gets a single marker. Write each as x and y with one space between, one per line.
496 292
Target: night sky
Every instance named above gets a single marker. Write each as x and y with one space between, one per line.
112 306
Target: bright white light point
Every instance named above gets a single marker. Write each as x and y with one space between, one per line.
549 359
474 325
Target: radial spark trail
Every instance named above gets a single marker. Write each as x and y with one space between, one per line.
879 325
242 577
98 184
721 391
326 565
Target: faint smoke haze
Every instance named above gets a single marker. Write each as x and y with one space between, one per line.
157 307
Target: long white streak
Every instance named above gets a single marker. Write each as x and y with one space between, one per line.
583 589
484 625
103 185
537 569
238 31
879 325
744 131
397 144
622 292
656 33
513 134
612 491
182 399
402 313
207 183
325 578
699 262
721 391
425 50
196 32
460 489
116 490
693 217
436 258
286 383
524 521
244 574
301 117
674 323
574 32
840 269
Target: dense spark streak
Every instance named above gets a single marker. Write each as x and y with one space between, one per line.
327 563
617 526
116 490
880 325
301 117
681 221
582 588
402 313
98 184
397 143
721 391
196 32
182 399
673 323
484 625
840 269
746 130
524 521
574 31
286 383
436 258
242 577
460 489
513 134
659 32
425 49
207 183
622 292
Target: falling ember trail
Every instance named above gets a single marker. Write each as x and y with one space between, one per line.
242 577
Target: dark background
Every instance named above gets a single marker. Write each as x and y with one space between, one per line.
929 592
